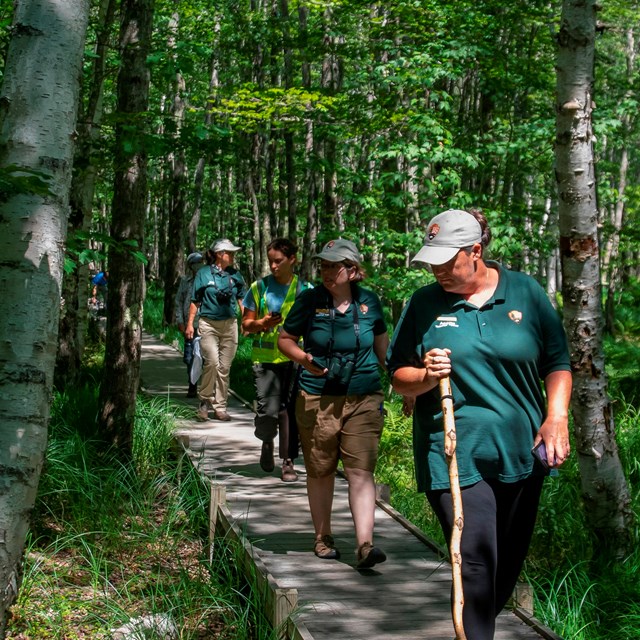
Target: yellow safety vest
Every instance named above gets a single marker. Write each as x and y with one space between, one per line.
265 345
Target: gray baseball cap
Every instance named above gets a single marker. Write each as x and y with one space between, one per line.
447 233
339 250
224 245
194 258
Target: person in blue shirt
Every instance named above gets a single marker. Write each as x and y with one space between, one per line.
99 290
266 307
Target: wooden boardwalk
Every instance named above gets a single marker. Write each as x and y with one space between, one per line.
407 597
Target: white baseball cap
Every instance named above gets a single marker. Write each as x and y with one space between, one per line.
224 245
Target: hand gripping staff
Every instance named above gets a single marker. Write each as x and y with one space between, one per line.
446 399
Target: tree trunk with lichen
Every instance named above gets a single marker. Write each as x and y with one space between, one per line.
75 285
121 375
604 487
38 111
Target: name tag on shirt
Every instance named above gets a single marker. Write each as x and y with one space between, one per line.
446 321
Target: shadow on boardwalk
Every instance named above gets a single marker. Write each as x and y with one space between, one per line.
405 598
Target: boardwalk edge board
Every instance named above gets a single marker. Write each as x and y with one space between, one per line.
280 603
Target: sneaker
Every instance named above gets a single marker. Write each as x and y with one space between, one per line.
203 411
288 472
192 392
367 555
324 547
221 414
266 456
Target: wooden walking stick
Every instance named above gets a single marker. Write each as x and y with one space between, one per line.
446 399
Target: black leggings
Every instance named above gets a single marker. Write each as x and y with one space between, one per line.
498 523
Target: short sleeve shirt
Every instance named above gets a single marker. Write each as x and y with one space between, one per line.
310 317
275 294
499 355
209 283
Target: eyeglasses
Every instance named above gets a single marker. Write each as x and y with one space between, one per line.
332 266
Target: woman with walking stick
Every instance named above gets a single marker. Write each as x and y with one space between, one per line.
495 334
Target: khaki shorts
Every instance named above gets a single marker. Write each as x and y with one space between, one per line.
333 427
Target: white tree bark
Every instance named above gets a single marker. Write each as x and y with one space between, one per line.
604 488
38 105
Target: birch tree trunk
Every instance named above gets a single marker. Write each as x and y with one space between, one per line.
126 270
38 110
604 488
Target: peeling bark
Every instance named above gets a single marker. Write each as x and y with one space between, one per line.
39 104
604 488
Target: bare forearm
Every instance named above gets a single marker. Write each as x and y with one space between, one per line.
558 386
380 346
289 347
193 310
412 381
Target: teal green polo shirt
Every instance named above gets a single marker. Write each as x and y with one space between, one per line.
499 355
209 281
310 317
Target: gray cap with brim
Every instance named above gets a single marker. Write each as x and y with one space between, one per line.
339 250
447 233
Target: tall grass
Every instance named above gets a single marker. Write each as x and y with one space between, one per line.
153 318
242 371
112 541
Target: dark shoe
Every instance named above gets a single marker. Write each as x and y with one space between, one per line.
192 392
324 548
288 472
221 414
203 411
368 555
266 456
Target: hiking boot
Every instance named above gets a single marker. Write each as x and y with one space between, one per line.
288 472
324 548
192 392
266 456
367 555
221 414
203 411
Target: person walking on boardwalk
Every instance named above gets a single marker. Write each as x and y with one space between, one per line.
495 333
339 408
183 303
266 306
217 293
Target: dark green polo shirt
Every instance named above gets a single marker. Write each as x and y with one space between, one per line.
499 355
208 282
310 317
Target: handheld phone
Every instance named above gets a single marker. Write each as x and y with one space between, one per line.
316 368
539 452
276 314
